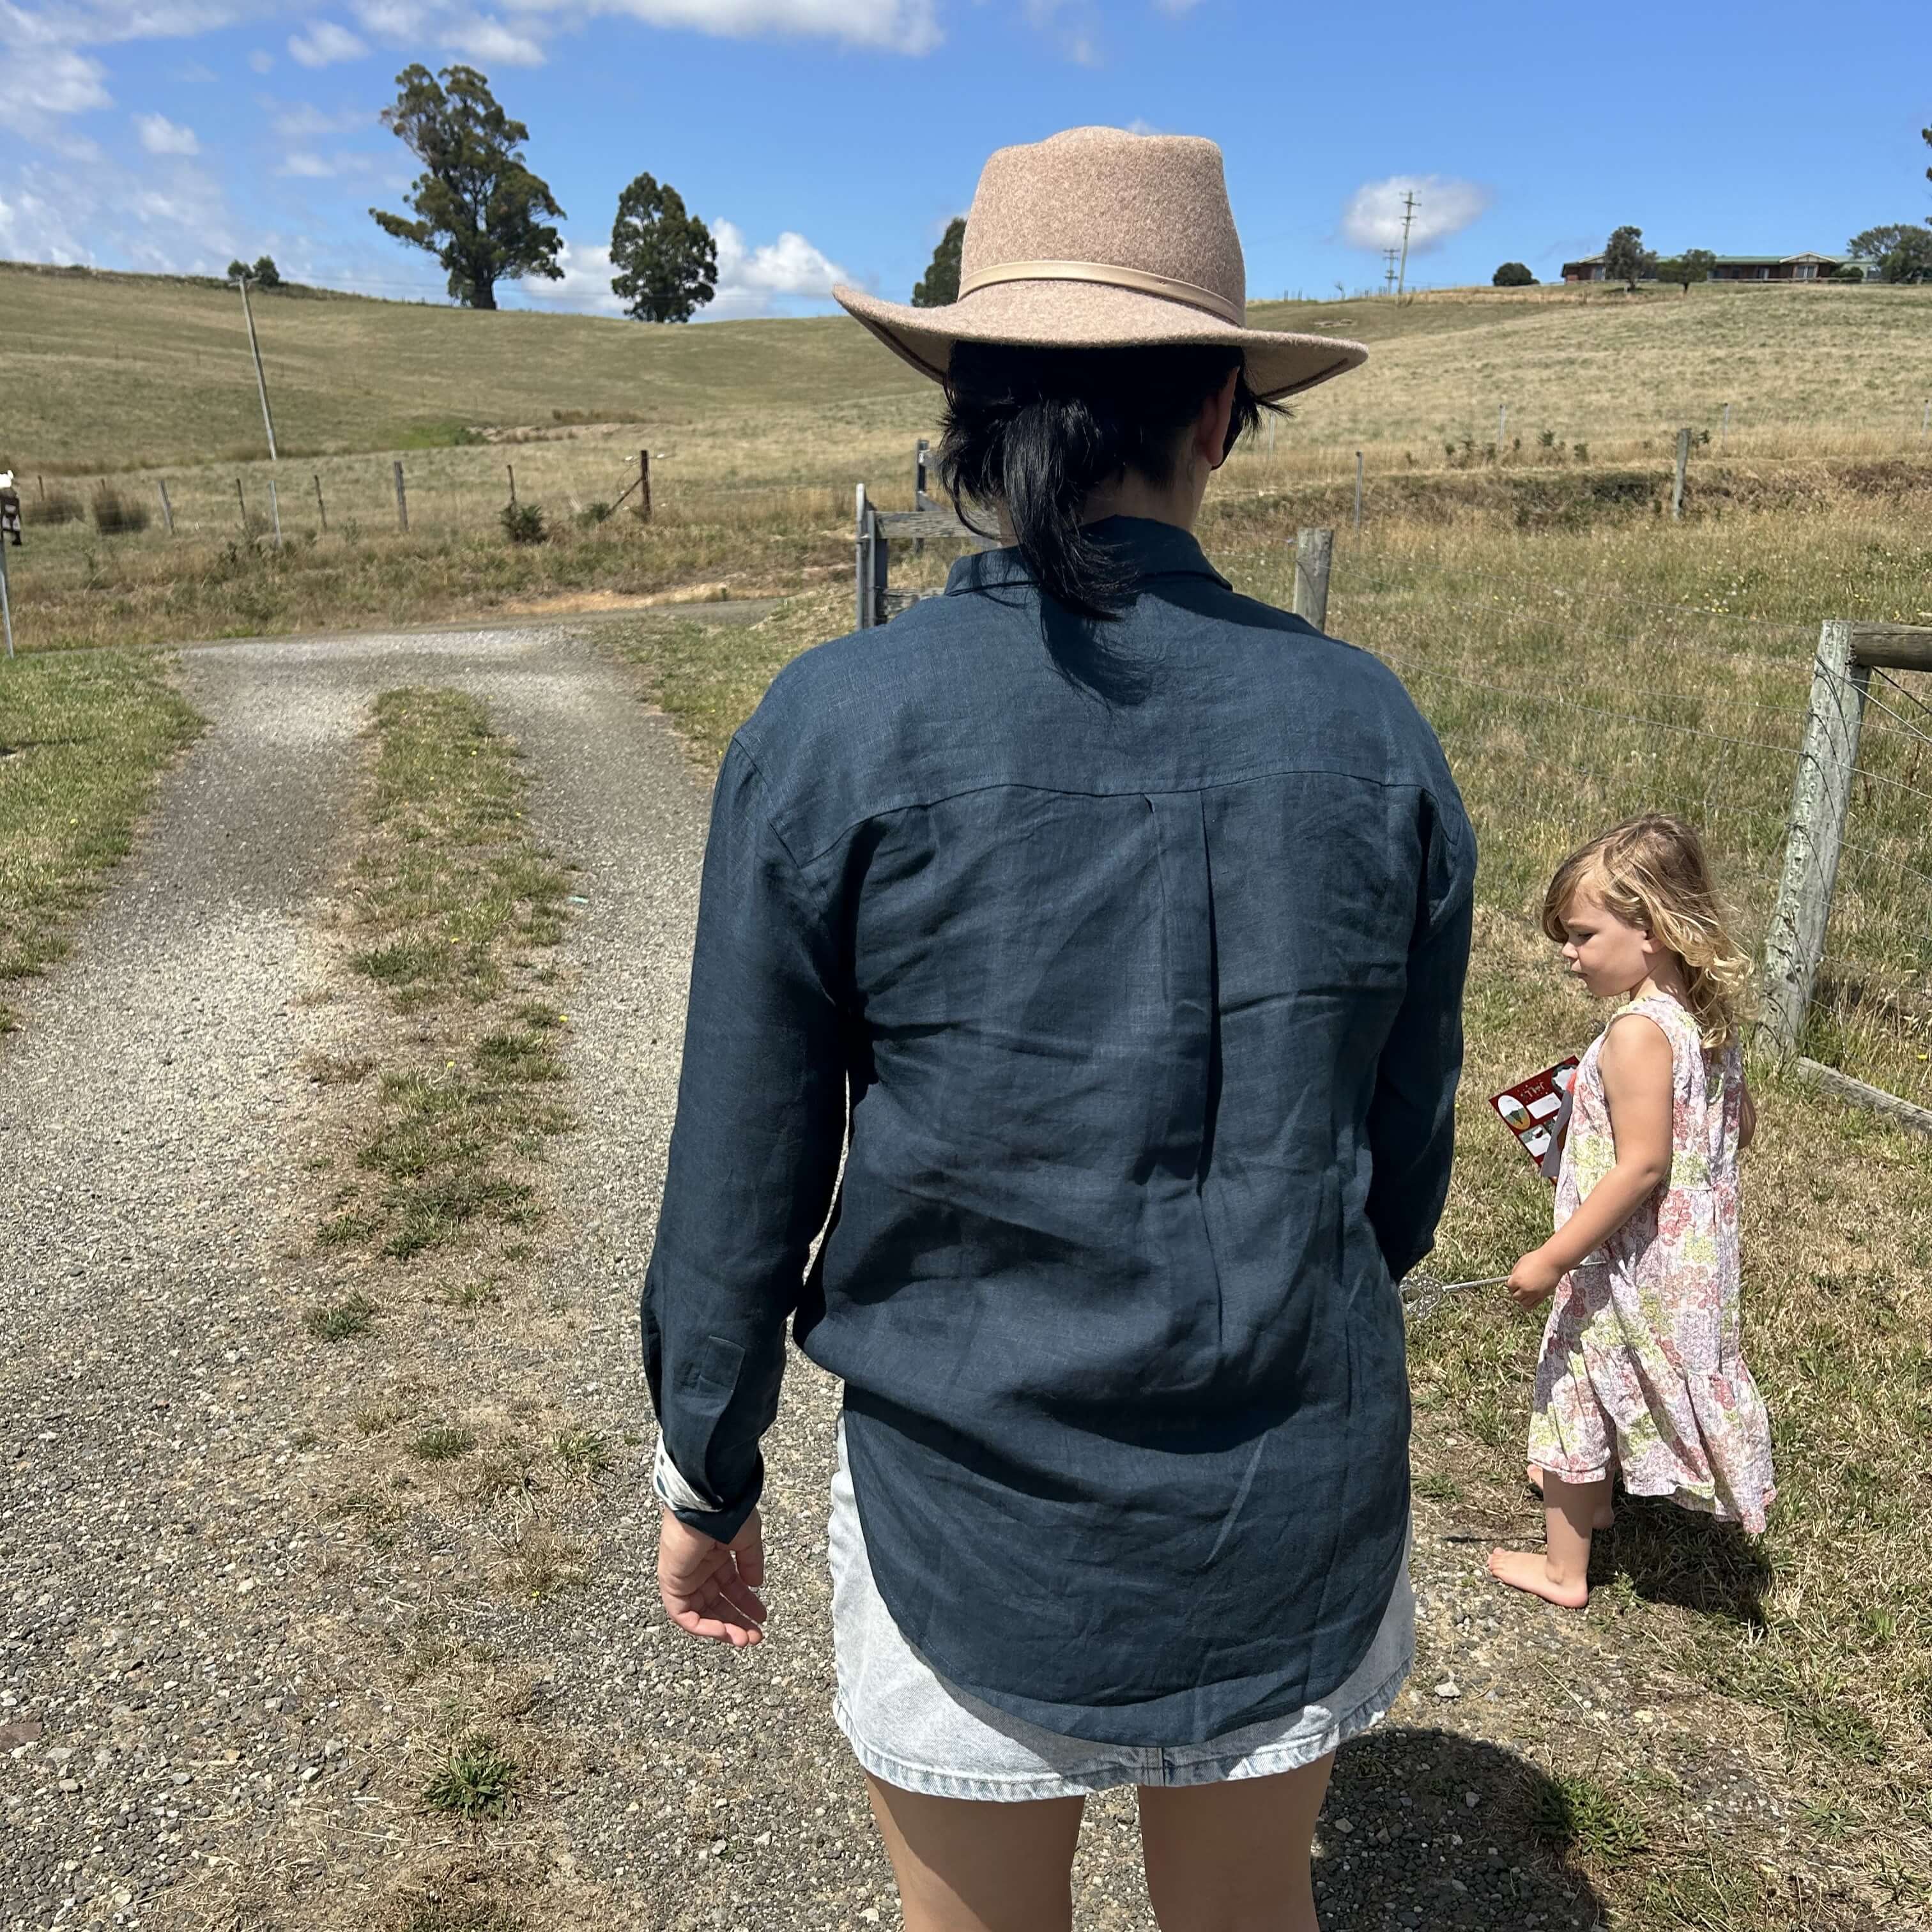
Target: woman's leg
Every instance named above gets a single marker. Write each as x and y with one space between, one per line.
963 1866
1234 1857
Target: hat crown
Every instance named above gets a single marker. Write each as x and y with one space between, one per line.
1154 203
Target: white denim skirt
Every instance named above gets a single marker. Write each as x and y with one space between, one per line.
910 1728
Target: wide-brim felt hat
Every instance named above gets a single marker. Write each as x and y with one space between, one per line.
1097 239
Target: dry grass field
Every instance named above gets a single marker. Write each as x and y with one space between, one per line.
1581 656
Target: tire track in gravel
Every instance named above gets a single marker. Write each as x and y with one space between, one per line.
219 1703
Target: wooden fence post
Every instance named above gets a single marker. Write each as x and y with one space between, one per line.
319 510
1358 493
862 561
1683 464
243 502
275 511
871 558
919 497
167 509
402 499
644 486
1314 551
512 469
1821 796
6 607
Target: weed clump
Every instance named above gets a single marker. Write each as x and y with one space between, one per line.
337 1323
524 523
475 1782
114 514
442 1443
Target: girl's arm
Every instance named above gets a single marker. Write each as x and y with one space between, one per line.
1635 1064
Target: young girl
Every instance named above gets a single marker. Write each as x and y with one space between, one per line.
1641 1371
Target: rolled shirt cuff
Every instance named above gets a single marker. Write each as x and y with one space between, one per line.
673 1491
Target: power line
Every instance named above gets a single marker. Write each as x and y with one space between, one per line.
1408 220
261 381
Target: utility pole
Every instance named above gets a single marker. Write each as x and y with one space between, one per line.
1408 221
1388 271
261 381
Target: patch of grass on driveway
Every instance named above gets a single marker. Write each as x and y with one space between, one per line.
82 740
454 900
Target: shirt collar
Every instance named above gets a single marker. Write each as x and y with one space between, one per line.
1151 549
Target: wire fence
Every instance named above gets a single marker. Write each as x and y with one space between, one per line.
1546 760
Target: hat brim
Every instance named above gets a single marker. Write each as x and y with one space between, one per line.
1091 315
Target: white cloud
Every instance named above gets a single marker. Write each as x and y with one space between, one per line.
326 41
750 282
585 289
749 278
1176 7
55 81
160 136
304 121
196 75
305 164
483 39
1074 25
1443 207
168 215
261 62
32 230
898 26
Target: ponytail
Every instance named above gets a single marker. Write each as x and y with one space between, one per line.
1035 431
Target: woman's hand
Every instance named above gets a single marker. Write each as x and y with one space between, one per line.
711 1588
1533 1279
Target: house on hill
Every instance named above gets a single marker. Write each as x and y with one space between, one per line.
1804 268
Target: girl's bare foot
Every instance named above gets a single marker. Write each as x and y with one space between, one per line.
1529 1570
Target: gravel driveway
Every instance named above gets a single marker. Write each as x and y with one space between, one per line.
221 1698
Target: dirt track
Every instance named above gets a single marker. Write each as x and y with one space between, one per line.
221 1697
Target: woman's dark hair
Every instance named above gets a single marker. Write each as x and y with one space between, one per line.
1036 430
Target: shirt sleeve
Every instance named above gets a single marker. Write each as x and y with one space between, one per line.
1412 1114
754 1158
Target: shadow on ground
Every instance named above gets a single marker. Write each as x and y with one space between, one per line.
1403 1846
1676 1556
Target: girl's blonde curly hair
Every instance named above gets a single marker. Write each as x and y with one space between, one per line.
1651 872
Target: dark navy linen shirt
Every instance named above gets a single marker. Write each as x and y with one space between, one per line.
1137 1019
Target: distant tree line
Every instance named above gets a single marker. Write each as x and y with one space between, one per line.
1893 251
487 218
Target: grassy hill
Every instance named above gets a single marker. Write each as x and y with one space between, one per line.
113 372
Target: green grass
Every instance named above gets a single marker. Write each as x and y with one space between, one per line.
475 1782
453 900
582 1452
338 1323
443 1443
82 744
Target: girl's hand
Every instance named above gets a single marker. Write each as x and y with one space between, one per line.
1533 1279
711 1588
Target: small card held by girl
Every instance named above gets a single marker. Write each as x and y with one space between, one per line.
1537 1111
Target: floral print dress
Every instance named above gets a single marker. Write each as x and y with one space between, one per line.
1641 1366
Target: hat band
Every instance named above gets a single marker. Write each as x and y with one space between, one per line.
1108 275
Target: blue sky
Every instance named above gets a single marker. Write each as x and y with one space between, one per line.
837 136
